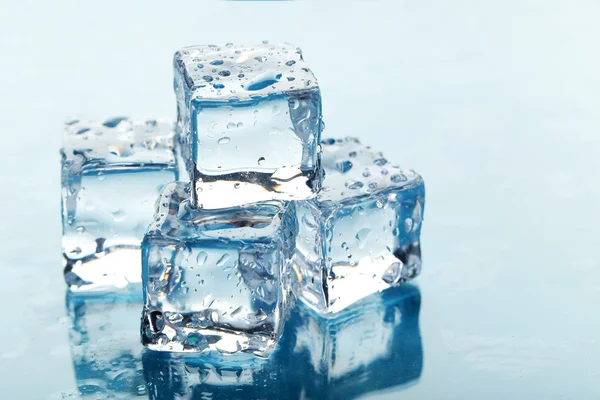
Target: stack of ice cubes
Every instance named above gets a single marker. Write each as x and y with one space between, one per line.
265 212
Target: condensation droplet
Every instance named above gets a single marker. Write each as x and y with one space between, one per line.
201 258
224 259
350 184
80 229
216 62
397 178
343 166
380 162
361 237
224 140
408 224
119 215
261 161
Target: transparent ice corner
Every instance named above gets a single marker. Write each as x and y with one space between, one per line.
250 118
216 279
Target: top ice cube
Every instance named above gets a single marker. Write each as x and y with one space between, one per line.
249 121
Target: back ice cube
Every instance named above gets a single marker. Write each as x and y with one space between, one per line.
250 121
360 235
112 172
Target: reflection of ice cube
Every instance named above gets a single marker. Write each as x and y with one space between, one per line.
216 279
250 121
105 347
112 172
213 376
373 345
360 235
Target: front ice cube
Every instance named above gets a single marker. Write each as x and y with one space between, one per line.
371 346
361 234
112 172
216 279
250 118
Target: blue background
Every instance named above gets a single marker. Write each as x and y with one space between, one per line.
495 103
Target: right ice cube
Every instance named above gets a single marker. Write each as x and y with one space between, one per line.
360 235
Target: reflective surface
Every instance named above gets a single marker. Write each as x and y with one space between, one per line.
494 103
374 345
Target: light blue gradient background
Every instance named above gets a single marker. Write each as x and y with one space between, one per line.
495 103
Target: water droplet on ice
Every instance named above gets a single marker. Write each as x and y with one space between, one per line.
224 73
343 166
361 237
350 184
224 259
263 80
224 140
408 224
119 215
380 162
201 258
216 62
392 273
261 161
80 229
397 178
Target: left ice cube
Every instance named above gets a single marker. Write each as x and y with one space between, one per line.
112 173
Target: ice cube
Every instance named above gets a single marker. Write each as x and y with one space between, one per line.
361 234
112 172
104 338
216 279
373 345
250 118
172 376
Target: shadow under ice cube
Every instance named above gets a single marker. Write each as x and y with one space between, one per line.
360 235
249 118
112 172
218 279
